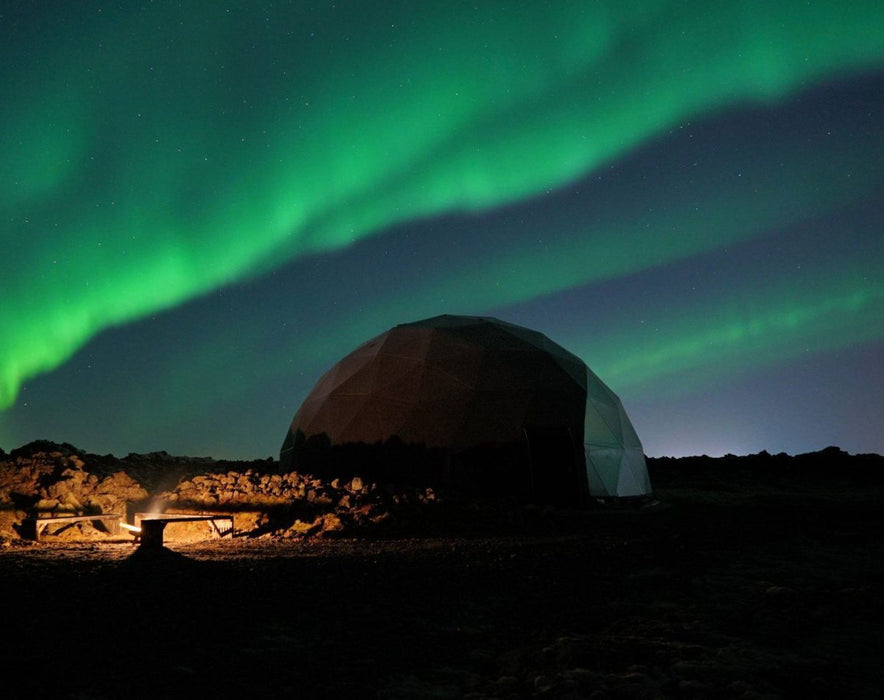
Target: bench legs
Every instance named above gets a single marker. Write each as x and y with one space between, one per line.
29 529
152 534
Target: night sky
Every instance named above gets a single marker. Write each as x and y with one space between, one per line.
203 205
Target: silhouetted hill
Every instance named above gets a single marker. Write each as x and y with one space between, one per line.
830 467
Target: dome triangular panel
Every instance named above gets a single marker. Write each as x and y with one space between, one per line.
454 399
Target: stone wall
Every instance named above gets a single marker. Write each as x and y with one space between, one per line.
57 482
53 479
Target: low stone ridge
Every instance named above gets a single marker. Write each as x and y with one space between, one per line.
53 482
52 478
57 479
295 505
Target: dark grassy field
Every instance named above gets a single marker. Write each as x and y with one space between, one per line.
738 584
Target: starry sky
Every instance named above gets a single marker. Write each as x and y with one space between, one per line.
205 204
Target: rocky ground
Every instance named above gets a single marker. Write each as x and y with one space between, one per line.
51 479
757 577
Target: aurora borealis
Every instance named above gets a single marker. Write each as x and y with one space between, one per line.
206 204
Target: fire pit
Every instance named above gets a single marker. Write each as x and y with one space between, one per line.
149 527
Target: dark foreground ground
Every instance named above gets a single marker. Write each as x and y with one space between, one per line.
723 590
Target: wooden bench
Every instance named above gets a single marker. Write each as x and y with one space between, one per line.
35 525
152 525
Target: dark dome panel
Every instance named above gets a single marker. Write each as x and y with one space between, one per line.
465 402
462 393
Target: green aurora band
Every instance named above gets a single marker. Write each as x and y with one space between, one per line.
152 155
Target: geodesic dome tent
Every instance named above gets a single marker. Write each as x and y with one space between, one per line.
472 403
615 461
